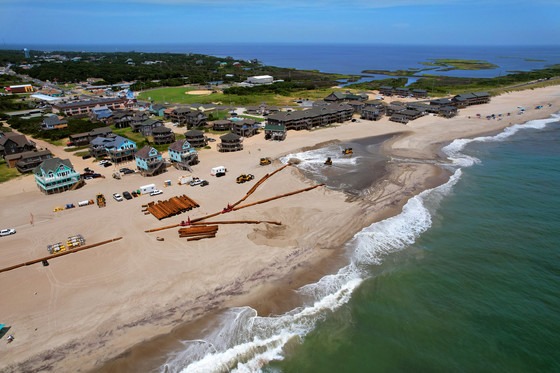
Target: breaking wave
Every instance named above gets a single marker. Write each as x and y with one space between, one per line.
246 342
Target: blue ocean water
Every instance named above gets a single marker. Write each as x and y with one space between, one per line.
466 278
347 58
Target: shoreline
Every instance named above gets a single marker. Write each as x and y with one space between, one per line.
287 249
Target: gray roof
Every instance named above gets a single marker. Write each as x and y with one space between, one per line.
144 152
194 133
178 145
52 164
230 137
53 120
161 130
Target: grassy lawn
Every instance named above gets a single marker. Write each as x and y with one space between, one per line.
131 135
7 173
176 95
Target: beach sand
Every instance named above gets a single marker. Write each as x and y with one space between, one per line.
89 307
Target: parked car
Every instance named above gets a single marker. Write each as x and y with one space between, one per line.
102 162
107 164
7 232
204 183
86 156
126 170
127 195
156 192
195 181
92 176
117 197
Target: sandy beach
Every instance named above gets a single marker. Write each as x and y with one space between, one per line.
87 308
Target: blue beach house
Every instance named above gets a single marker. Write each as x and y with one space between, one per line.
182 154
100 113
149 161
56 175
118 148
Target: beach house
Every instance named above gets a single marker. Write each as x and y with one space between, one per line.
121 118
56 175
53 122
274 132
196 138
245 127
147 127
230 143
100 114
157 109
117 148
27 161
468 99
149 161
221 125
12 143
182 154
318 116
163 135
373 110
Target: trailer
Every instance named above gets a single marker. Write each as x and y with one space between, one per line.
147 189
182 180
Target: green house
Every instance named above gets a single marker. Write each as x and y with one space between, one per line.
56 175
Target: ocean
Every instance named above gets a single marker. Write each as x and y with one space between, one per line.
466 278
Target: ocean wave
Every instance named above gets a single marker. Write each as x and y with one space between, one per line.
455 148
246 342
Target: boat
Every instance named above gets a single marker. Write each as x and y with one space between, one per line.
328 162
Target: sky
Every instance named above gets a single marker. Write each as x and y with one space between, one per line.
417 22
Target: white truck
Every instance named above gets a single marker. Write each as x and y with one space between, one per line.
147 189
218 171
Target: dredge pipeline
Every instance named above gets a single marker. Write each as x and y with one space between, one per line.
54 256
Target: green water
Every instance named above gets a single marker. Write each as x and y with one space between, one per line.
478 292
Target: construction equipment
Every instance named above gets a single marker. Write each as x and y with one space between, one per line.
265 161
244 178
101 200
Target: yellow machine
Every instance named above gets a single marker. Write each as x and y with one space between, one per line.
244 178
265 161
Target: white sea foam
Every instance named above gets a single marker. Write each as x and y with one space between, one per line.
454 150
245 342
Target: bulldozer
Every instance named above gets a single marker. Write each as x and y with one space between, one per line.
244 178
265 161
100 200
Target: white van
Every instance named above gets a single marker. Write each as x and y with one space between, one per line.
83 203
218 171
